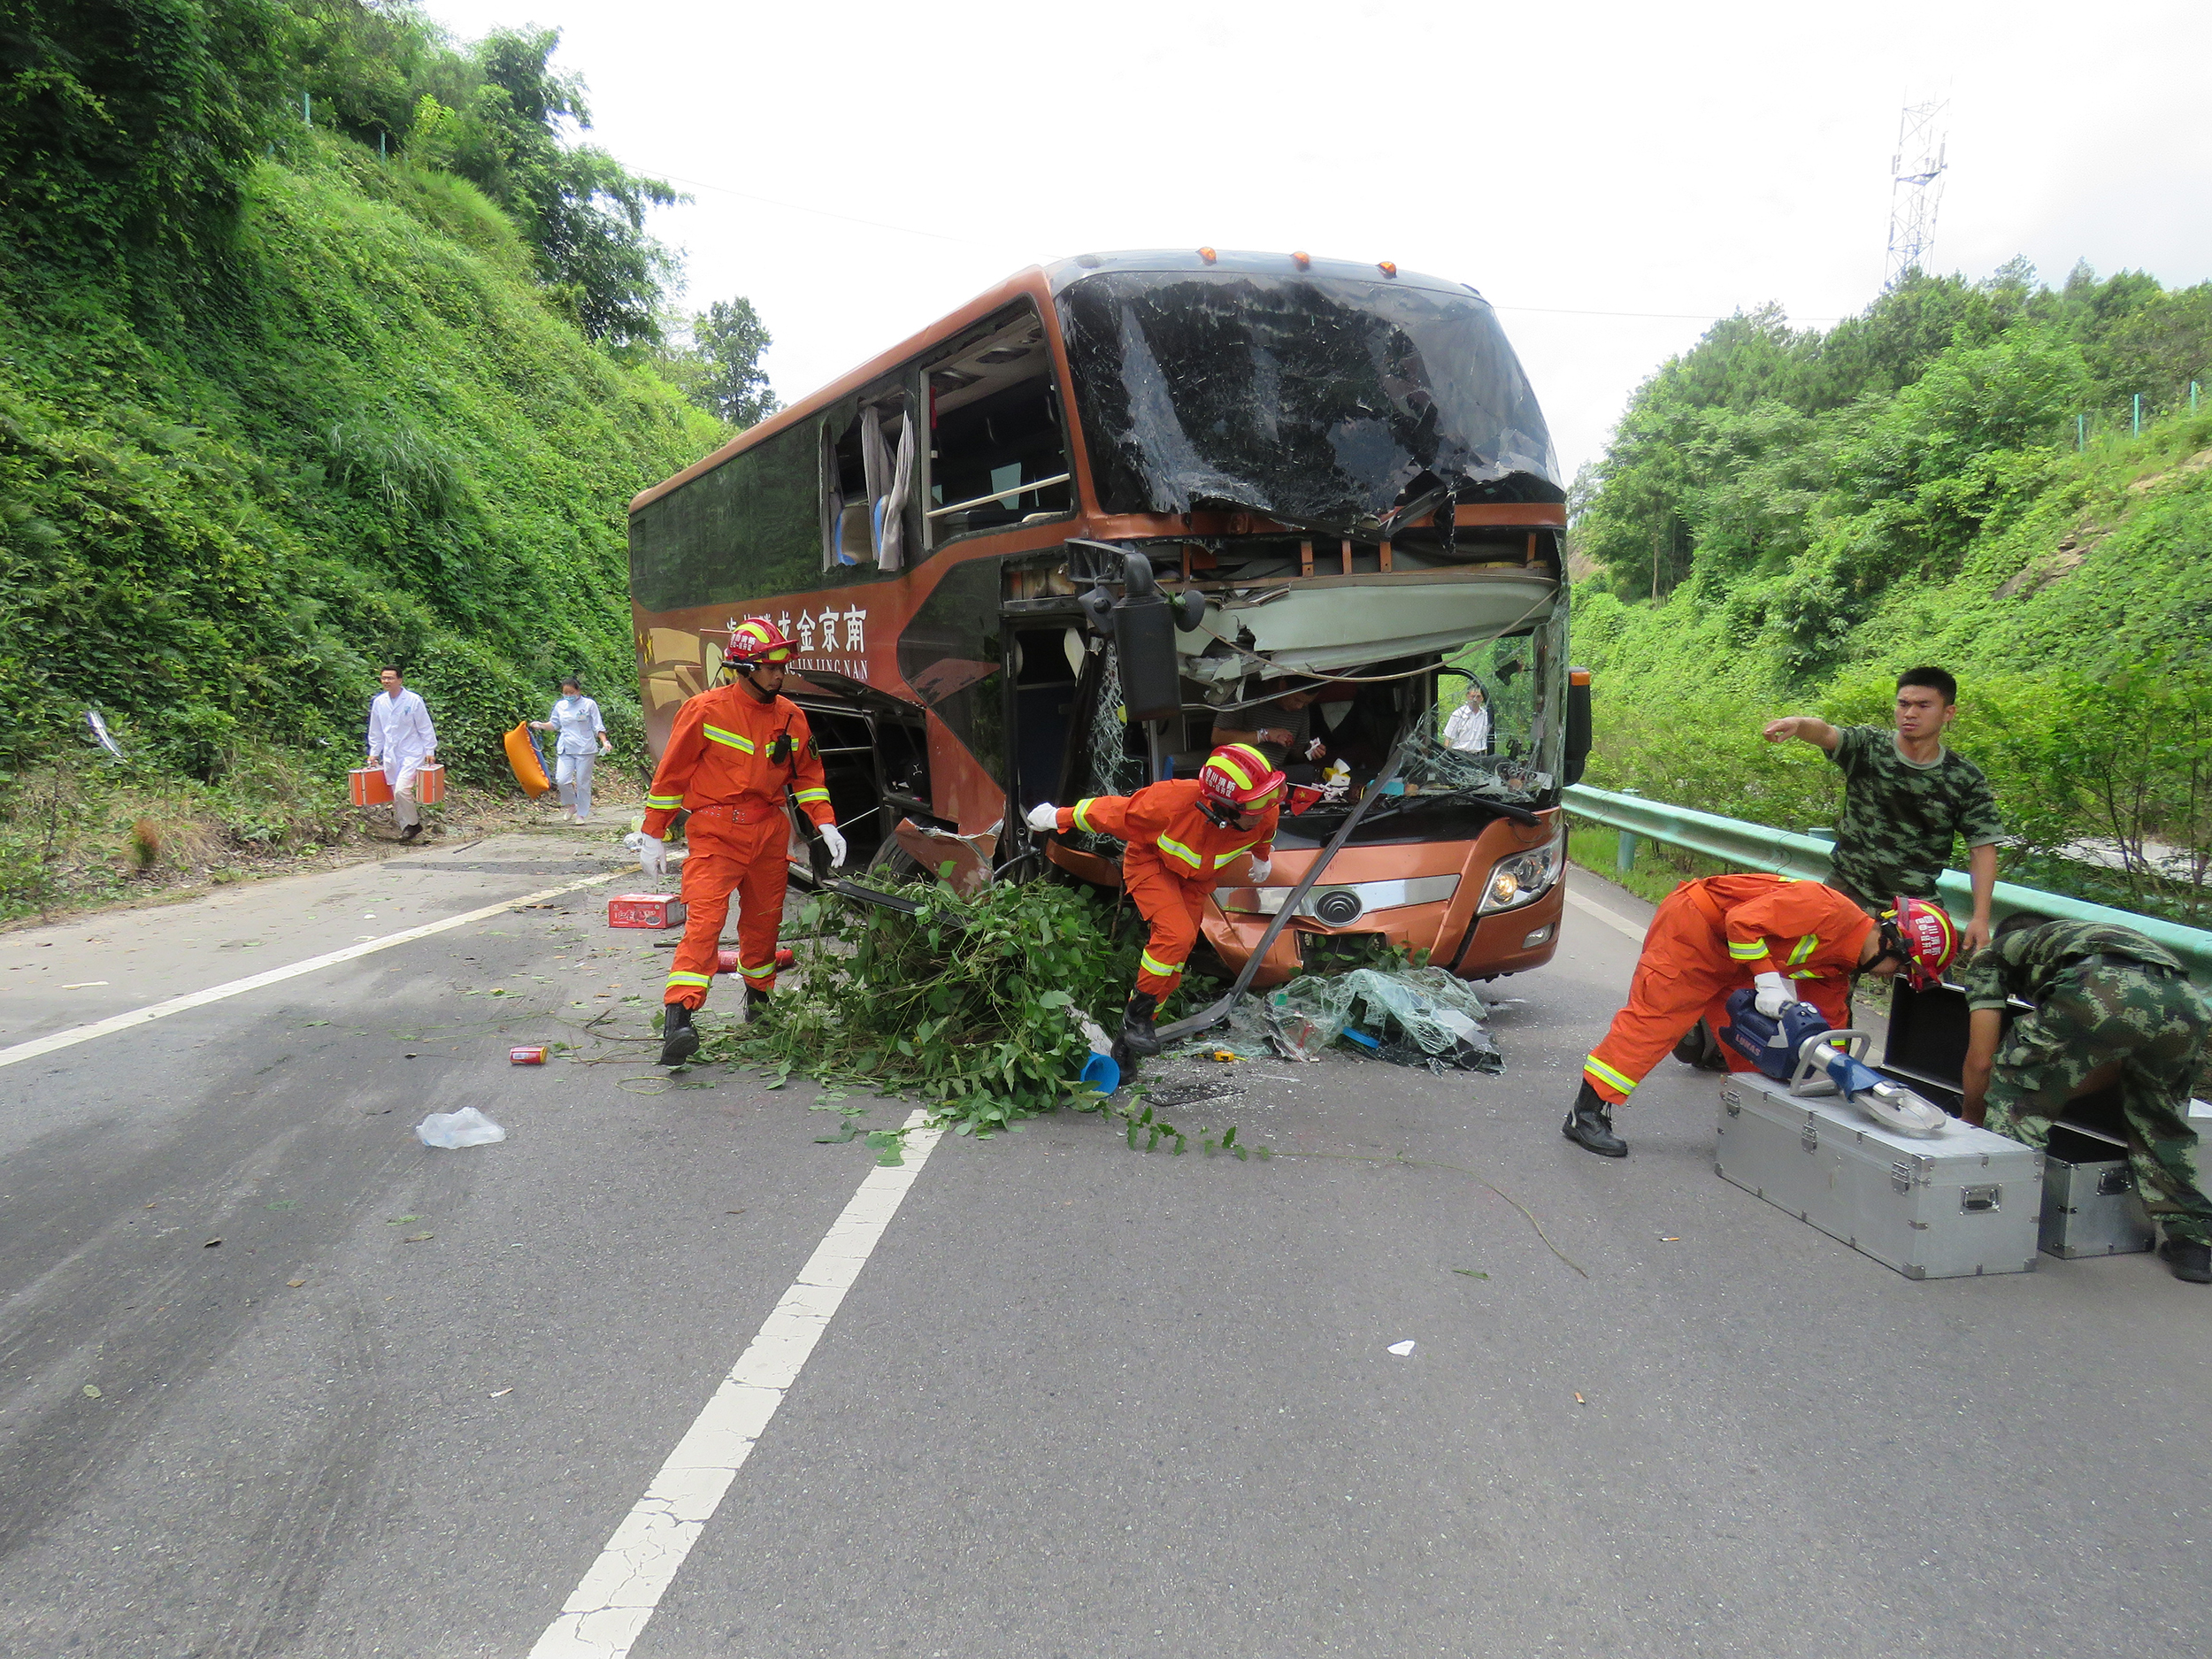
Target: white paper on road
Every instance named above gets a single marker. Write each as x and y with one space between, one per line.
617 1595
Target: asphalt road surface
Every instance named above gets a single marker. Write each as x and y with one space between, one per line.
1077 1401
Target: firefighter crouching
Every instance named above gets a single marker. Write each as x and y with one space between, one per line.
1180 835
731 755
1795 941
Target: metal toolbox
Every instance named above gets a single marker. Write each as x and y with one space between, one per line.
1953 1206
2090 1204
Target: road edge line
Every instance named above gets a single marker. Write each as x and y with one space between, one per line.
1620 924
113 1023
618 1593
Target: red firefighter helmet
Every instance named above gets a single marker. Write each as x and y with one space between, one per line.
755 641
1924 936
1237 778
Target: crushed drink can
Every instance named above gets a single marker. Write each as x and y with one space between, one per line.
533 1055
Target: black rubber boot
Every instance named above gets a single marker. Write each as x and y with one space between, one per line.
680 1039
1136 1026
1701 1048
410 832
2190 1261
755 1005
1590 1124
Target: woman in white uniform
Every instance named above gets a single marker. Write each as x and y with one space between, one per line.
583 740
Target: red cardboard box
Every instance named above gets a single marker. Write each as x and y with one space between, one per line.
645 910
369 785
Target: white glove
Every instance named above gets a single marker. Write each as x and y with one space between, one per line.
1775 994
1044 816
1261 868
652 855
835 842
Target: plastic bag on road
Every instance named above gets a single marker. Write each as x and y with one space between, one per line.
1424 1017
467 1127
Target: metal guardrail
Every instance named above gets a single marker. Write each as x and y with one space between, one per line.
1755 846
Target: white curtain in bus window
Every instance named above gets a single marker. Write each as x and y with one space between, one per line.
890 481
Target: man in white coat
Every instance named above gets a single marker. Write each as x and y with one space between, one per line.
403 742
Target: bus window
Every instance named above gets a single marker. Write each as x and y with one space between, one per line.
868 485
997 455
750 527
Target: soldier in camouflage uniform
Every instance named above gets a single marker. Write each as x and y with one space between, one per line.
1906 799
2110 1006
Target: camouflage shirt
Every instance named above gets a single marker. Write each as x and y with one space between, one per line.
2025 963
1900 818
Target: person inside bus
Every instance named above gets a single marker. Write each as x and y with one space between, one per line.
1468 730
1179 836
1282 729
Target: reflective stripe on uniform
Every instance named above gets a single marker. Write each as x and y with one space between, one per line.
1081 822
766 970
1182 852
690 978
806 795
1747 951
1153 964
1804 948
1605 1074
662 803
716 734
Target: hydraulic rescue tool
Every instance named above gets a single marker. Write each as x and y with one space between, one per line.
1798 1047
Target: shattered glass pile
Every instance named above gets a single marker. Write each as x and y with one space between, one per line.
1420 1017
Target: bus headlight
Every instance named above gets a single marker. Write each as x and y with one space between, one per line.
1524 877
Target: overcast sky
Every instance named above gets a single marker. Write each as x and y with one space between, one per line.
1565 159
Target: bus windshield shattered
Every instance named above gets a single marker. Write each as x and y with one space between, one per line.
1346 404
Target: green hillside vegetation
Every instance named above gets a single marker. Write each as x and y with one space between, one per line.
276 409
1787 518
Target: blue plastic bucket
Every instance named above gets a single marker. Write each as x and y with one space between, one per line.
1100 1073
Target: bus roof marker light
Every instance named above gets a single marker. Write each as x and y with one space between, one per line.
1304 261
1387 267
1208 254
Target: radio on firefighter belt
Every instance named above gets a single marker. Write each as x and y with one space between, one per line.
1798 1047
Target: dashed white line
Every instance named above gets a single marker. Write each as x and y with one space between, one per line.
611 1607
114 1022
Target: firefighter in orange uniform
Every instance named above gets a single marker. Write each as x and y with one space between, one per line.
731 753
1794 940
1181 836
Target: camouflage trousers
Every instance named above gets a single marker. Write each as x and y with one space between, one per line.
2154 1025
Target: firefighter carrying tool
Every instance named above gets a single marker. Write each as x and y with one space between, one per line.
733 752
1792 940
1181 836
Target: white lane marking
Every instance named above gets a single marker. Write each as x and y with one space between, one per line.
1612 919
611 1606
114 1022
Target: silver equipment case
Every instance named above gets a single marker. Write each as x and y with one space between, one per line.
2090 1204
1954 1205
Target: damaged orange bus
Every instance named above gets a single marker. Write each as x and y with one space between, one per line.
1060 542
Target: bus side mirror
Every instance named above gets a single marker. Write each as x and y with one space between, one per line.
1577 723
1144 642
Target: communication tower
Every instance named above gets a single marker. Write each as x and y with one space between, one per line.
1915 190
